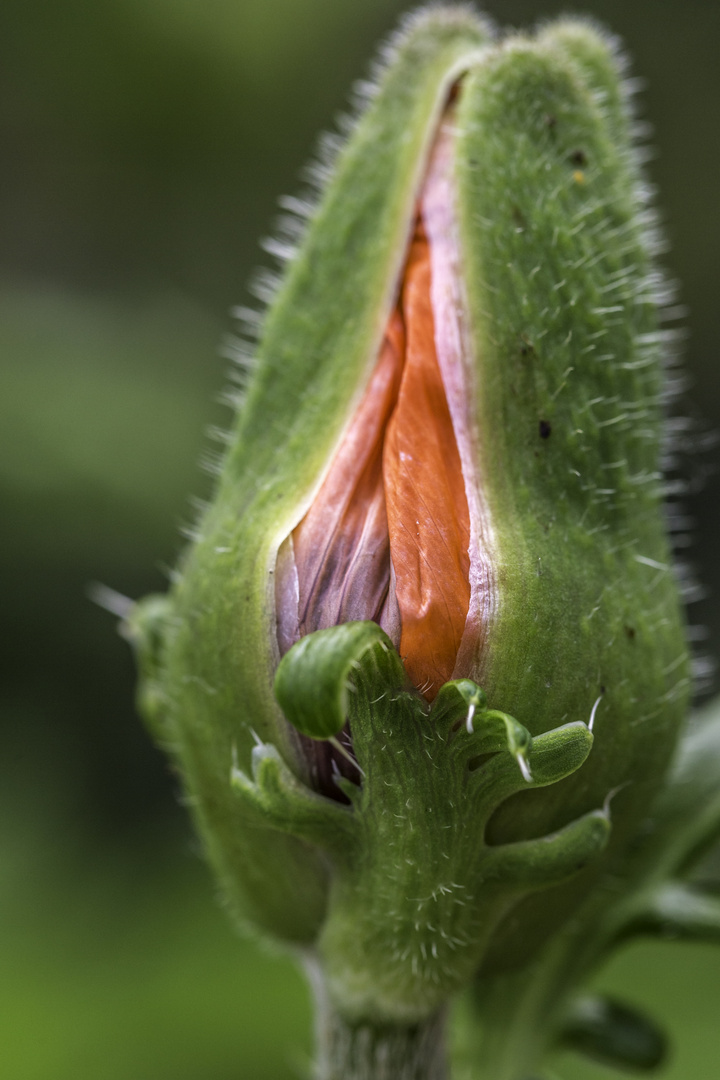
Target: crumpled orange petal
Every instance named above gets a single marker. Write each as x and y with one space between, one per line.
388 533
427 510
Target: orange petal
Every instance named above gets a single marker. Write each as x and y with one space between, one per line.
427 510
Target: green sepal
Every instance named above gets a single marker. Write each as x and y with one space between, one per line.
562 304
611 1032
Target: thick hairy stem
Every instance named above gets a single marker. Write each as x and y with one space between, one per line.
375 1052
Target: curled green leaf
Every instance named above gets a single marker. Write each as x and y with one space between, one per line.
314 680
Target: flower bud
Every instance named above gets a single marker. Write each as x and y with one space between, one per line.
445 476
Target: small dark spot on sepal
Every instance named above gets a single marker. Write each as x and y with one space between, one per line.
630 632
578 157
518 217
550 121
545 429
527 348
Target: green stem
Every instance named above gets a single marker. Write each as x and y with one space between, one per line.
346 1051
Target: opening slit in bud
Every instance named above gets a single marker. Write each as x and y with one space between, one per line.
389 535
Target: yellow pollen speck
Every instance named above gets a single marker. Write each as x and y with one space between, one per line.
579 176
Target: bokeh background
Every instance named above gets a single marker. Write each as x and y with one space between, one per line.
144 146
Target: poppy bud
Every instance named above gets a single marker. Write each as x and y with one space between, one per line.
435 571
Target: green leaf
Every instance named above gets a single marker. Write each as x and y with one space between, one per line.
314 680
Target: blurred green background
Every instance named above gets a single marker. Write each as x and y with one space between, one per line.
144 145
